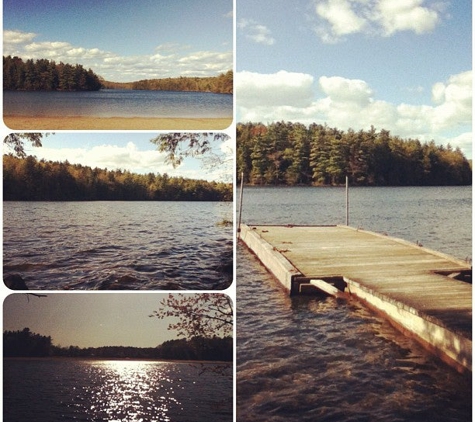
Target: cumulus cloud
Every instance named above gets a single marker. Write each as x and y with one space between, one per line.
278 89
337 18
108 156
17 37
256 32
165 61
346 90
341 16
138 160
351 103
406 15
454 101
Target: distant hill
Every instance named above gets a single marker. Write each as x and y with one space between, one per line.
222 84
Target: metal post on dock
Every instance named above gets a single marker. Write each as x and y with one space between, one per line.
240 203
347 204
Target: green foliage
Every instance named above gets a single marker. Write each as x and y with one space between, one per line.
45 75
31 180
293 154
222 84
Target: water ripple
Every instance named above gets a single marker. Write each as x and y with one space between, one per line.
101 245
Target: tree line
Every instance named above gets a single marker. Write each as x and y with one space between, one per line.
24 343
27 179
221 84
285 153
46 75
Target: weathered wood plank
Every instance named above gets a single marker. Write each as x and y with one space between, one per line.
400 277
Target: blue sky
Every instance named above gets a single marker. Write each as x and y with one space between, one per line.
124 40
404 65
131 151
90 319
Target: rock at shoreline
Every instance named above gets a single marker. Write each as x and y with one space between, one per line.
15 282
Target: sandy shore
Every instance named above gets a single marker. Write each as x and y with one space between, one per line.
19 123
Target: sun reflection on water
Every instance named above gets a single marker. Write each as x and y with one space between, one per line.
131 390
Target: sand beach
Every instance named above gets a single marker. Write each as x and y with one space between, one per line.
113 123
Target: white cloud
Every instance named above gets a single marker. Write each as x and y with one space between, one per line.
130 158
111 157
406 15
341 16
256 32
16 37
351 103
345 90
454 101
281 88
338 18
165 61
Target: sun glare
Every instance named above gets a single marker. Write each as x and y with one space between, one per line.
131 390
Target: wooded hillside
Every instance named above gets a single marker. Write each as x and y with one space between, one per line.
31 180
292 153
222 84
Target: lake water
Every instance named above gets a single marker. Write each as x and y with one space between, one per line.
119 245
118 103
49 390
319 359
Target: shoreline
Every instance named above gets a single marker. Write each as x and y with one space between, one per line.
16 122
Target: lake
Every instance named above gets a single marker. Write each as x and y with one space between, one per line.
119 245
118 103
49 390
320 359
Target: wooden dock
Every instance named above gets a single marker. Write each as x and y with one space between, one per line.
423 293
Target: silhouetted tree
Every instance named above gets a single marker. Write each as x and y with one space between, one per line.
200 315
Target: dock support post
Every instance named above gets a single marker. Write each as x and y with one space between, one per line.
347 204
240 203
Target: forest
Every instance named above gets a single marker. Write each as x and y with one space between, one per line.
222 84
27 179
24 343
285 153
45 75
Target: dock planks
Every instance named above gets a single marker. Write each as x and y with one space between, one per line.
392 275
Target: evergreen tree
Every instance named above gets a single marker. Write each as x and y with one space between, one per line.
289 153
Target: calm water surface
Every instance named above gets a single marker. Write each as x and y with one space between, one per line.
118 245
49 390
118 103
314 359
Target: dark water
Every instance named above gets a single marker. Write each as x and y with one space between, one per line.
118 103
49 390
118 245
314 359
